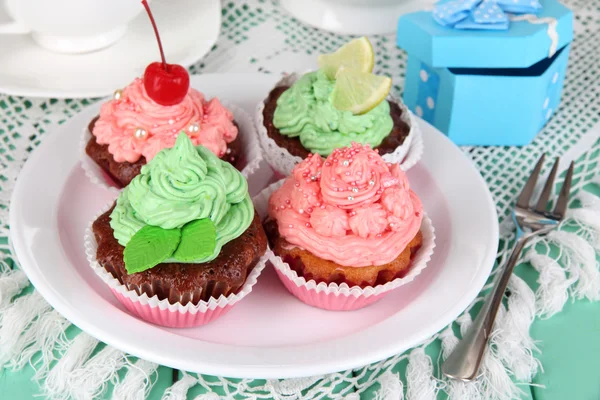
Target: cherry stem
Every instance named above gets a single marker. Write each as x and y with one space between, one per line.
162 53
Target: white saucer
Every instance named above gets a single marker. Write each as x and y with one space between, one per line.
354 17
269 334
188 29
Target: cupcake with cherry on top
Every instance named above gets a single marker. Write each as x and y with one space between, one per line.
147 115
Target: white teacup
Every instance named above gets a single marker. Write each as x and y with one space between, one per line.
70 26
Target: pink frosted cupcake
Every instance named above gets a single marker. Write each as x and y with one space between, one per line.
346 229
147 116
132 128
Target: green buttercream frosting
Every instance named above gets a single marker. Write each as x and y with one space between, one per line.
183 184
305 110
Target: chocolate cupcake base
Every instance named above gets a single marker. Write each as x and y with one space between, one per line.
184 283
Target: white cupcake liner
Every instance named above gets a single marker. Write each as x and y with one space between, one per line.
252 152
280 159
162 312
342 297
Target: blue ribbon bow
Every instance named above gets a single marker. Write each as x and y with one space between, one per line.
481 14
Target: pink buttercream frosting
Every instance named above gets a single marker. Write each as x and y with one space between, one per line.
120 118
351 208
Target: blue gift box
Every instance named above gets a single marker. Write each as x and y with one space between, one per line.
484 87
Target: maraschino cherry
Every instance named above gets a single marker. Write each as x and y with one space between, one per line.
166 84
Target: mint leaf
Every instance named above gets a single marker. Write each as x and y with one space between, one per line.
150 246
198 240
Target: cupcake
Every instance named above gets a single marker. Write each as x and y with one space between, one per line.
182 236
346 229
132 128
340 103
148 114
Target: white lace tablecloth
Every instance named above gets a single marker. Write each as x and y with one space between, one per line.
257 35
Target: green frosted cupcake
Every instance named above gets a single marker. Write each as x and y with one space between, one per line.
184 230
321 111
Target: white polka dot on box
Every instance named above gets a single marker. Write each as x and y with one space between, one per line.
487 87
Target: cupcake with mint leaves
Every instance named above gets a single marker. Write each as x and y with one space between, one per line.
341 103
182 243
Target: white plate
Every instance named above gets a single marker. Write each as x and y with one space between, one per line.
269 334
188 29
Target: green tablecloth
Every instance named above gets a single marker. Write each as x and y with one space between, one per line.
570 345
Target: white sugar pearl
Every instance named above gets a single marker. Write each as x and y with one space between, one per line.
555 77
194 128
419 111
424 75
546 102
140 133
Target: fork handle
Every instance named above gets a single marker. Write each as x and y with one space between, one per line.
464 361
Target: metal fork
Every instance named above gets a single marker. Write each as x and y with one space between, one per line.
464 361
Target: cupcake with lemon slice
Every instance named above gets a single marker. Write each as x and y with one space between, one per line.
340 103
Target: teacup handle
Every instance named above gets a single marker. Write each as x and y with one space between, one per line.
13 28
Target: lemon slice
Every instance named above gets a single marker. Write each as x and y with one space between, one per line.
356 54
359 92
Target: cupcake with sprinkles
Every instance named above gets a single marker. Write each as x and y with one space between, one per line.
347 229
182 242
147 115
340 103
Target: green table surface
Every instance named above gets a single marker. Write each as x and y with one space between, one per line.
569 343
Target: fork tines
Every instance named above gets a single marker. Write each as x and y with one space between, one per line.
563 197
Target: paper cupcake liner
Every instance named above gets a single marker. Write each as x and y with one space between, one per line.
342 297
92 170
252 153
280 159
163 312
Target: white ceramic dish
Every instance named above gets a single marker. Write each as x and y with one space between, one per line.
53 202
188 30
